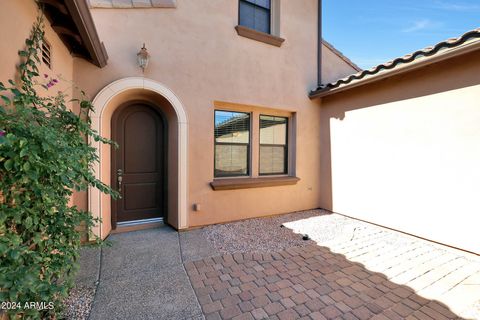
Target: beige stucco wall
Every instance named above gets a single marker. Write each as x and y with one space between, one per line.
16 20
196 52
333 71
405 152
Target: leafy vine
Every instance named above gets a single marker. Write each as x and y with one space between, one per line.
44 158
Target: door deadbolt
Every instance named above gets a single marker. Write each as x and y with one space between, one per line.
119 181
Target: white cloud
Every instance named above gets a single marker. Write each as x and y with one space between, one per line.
463 7
420 25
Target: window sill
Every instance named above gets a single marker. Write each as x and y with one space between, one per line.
246 183
259 36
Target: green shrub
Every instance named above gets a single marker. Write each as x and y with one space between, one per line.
44 158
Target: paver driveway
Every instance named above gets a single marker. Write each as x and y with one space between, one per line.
375 274
304 282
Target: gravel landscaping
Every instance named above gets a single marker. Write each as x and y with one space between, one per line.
79 303
277 233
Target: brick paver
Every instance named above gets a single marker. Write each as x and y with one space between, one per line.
366 278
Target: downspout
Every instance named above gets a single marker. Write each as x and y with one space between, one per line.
319 45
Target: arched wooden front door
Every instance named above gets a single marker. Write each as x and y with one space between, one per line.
139 163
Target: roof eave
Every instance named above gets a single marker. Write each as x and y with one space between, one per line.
83 20
74 21
320 93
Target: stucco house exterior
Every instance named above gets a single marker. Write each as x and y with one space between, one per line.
225 123
175 160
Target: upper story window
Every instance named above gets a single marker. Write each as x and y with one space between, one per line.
232 143
273 145
260 20
255 14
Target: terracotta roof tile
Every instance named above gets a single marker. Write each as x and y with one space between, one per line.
423 54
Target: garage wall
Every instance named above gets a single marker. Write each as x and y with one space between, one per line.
405 152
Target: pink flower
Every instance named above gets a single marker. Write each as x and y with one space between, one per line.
51 82
2 133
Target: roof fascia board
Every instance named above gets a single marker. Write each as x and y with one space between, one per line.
82 18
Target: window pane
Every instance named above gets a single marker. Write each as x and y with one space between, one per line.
255 14
273 160
261 3
232 127
273 130
247 14
262 20
231 160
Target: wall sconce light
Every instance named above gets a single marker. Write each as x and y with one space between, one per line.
143 57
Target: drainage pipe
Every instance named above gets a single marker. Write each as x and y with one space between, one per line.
319 45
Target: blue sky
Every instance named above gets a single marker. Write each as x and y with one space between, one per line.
371 32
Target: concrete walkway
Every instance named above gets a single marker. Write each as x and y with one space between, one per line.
142 277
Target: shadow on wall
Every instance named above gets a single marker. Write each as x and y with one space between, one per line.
428 81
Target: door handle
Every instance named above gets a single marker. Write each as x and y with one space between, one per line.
119 181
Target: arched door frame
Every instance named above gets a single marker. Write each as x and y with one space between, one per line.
101 102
